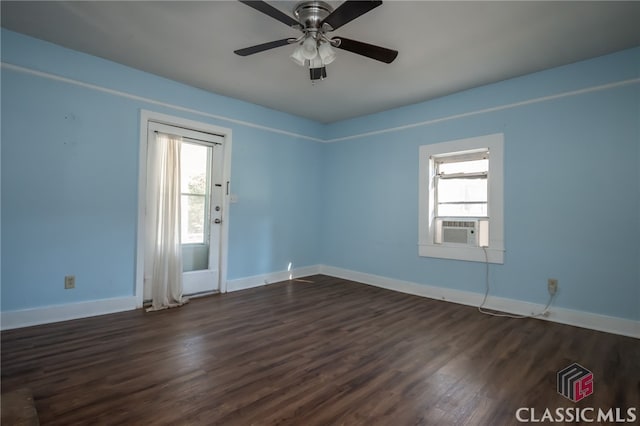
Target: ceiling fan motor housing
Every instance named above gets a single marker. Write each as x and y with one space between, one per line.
310 14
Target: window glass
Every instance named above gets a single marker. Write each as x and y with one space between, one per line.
193 168
464 193
462 190
194 187
474 166
463 210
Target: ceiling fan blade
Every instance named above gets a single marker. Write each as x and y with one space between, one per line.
267 9
348 11
378 53
261 47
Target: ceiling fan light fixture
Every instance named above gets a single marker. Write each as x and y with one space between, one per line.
298 57
326 53
309 47
314 19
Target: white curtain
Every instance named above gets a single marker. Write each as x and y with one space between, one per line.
163 251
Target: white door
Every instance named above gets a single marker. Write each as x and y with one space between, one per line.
201 176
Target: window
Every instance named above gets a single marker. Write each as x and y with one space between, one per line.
461 184
461 206
195 182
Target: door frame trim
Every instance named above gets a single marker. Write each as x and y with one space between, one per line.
145 117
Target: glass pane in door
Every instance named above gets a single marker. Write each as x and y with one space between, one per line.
195 161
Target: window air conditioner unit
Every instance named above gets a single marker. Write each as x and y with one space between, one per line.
457 231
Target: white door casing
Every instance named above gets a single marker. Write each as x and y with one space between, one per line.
214 277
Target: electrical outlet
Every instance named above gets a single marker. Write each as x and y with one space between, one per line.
69 281
552 286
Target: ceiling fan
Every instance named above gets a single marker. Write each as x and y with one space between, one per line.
315 19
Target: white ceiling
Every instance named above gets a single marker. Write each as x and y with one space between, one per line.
445 46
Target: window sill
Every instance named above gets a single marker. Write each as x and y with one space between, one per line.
472 254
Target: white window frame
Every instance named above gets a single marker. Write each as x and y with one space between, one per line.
426 198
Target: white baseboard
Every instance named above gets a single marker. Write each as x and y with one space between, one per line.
272 277
55 313
615 325
582 319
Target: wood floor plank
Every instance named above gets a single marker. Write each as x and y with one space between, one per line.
18 409
318 351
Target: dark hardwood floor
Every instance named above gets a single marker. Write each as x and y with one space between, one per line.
323 351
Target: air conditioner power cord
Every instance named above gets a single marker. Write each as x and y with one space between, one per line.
481 309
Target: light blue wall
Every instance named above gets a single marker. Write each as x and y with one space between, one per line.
70 173
69 182
274 221
571 188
